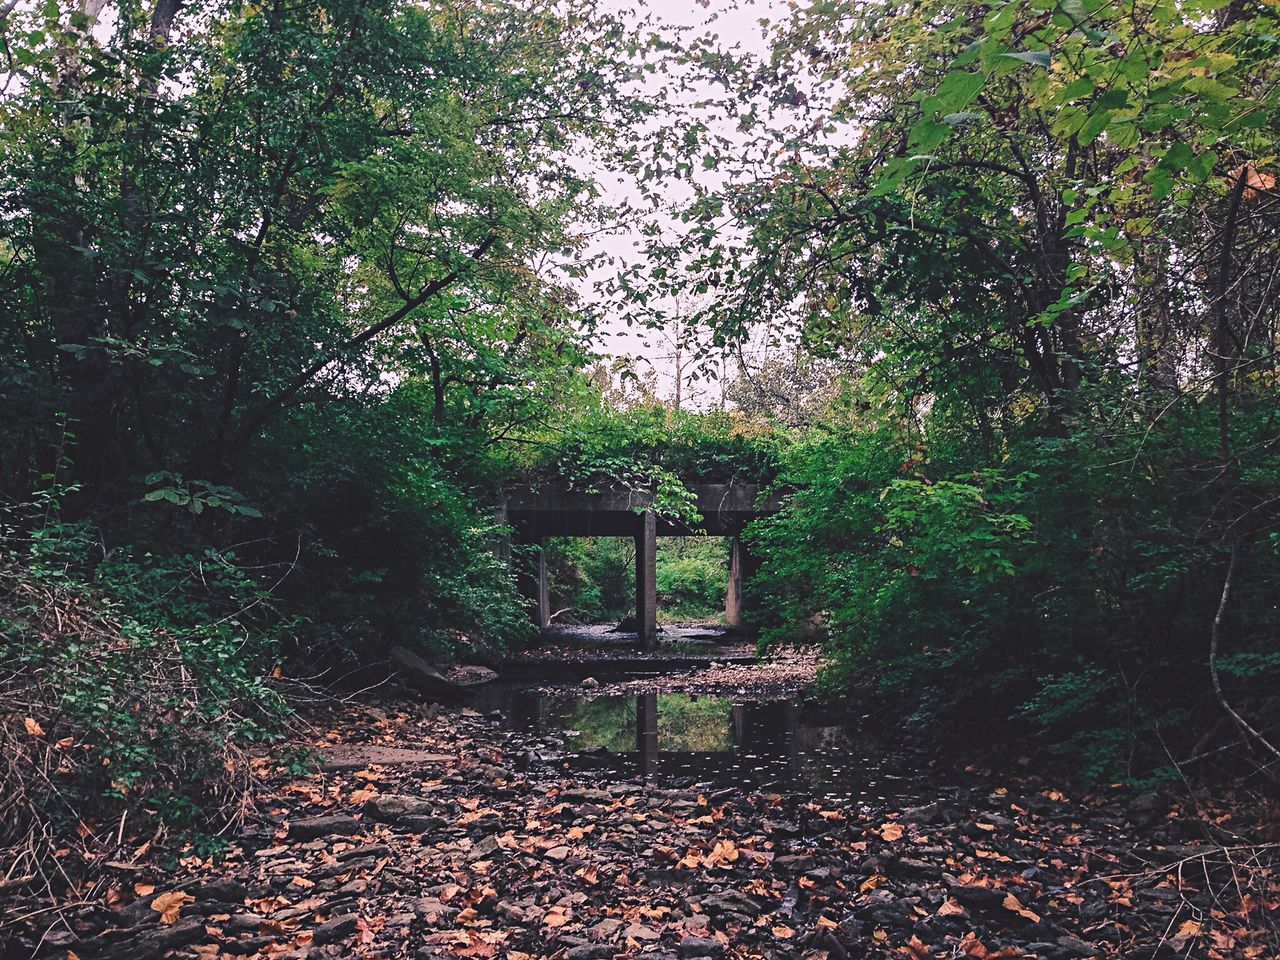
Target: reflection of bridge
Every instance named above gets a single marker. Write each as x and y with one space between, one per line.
535 513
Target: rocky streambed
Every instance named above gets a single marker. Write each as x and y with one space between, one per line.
448 832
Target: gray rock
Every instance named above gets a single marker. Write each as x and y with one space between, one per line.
606 929
731 901
309 828
978 898
483 848
421 676
391 807
339 928
157 941
433 912
701 947
372 850
590 951
640 933
1073 947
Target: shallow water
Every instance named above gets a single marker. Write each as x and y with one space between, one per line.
705 741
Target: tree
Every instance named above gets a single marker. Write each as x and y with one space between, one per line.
215 215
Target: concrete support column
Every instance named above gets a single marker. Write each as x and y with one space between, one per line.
647 580
742 567
533 583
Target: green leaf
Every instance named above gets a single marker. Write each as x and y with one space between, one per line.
928 133
1077 89
957 89
1177 158
1096 123
1035 58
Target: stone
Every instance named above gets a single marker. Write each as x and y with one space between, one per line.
701 947
335 930
484 848
590 951
421 676
558 854
372 850
223 890
432 911
795 862
978 898
731 901
640 933
509 911
1073 947
157 941
340 825
391 807
606 929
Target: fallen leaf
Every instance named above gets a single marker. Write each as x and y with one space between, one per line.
143 889
915 949
169 905
1011 903
891 831
785 933
556 917
33 727
952 908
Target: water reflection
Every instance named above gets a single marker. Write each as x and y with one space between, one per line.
707 741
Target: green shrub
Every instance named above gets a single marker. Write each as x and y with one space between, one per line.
131 685
1052 589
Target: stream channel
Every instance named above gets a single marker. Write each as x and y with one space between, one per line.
767 741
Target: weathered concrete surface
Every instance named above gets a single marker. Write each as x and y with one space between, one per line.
742 567
647 580
552 511
536 513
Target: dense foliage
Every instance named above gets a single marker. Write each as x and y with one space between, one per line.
277 281
593 579
1040 241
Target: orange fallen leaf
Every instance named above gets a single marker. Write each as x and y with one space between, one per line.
169 905
785 933
916 949
33 727
1011 903
556 917
891 831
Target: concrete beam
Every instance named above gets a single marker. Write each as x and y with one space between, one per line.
550 510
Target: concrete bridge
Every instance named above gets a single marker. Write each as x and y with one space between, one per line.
535 513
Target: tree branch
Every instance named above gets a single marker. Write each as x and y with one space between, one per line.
256 422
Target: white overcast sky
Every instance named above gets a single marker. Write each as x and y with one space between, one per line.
732 24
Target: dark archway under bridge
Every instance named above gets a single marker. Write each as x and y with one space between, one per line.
549 510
